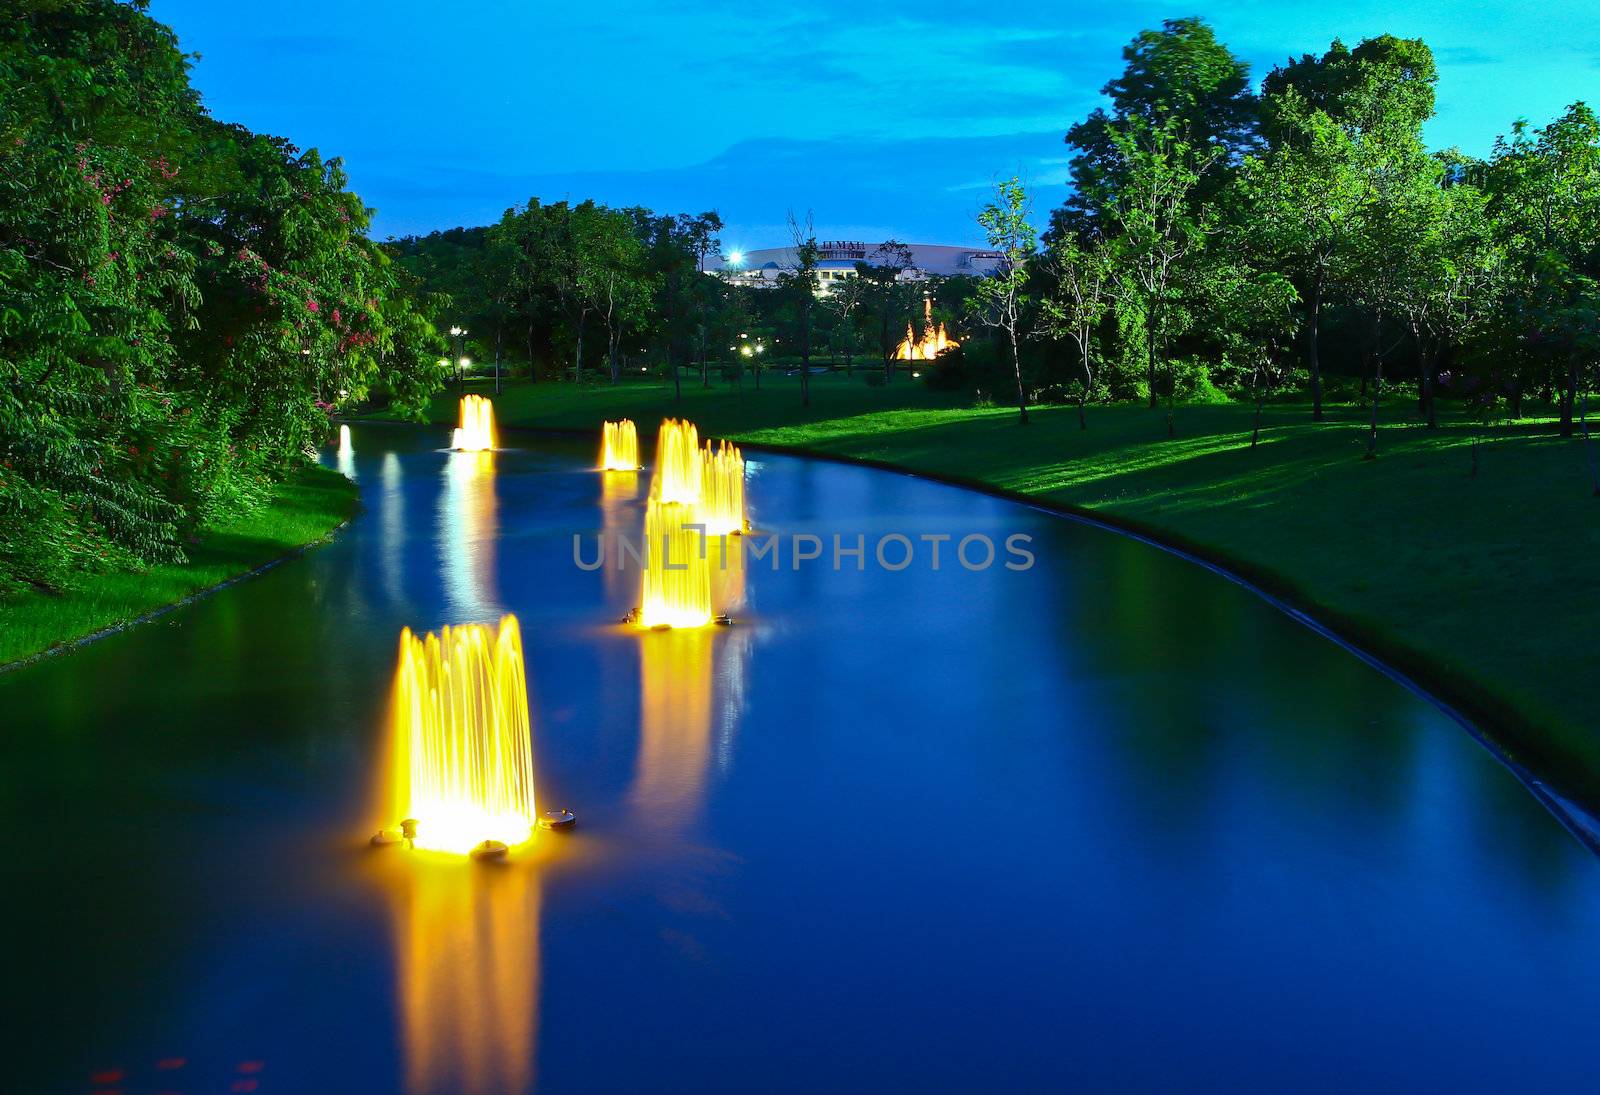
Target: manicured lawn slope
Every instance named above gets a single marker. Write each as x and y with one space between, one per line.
1484 587
306 508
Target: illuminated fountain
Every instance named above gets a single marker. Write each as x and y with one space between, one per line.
721 507
619 450
676 587
346 456
461 772
476 432
934 339
677 477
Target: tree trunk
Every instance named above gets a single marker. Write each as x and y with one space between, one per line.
1569 393
1588 449
499 340
1261 397
1088 386
577 355
1316 355
1150 355
1377 394
805 354
1016 365
533 370
1430 363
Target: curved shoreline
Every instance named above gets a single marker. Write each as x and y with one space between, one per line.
71 645
1411 669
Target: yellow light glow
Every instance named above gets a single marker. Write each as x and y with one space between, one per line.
934 339
676 586
675 707
461 757
721 507
619 447
677 476
476 432
467 972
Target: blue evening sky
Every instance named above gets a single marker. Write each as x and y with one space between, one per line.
885 120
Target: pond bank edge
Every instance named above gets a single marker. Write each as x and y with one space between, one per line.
1496 725
71 645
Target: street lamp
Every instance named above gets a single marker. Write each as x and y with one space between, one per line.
458 333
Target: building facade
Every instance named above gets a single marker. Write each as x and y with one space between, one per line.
836 262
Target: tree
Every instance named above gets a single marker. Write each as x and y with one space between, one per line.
800 283
1300 200
1003 295
182 302
1179 80
882 276
1159 234
1544 196
1084 274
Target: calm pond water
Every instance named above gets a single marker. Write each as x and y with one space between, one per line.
1111 823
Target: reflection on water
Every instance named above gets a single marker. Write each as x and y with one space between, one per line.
391 506
466 956
674 724
468 527
619 490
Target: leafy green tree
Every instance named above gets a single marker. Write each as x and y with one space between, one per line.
1160 236
1084 273
1003 296
182 302
1544 197
1178 80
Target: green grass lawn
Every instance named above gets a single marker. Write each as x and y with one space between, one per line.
304 509
1484 587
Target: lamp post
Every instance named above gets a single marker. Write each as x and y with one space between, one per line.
458 333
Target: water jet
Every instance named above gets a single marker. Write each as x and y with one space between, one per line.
676 586
721 505
619 446
678 456
476 432
462 764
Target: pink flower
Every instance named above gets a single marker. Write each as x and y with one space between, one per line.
311 305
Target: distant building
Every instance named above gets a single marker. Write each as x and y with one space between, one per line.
837 260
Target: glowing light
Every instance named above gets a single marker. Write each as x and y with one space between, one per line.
721 507
934 339
677 477
676 586
467 972
619 447
476 432
462 759
346 457
735 258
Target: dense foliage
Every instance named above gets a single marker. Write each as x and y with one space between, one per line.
182 301
1215 236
